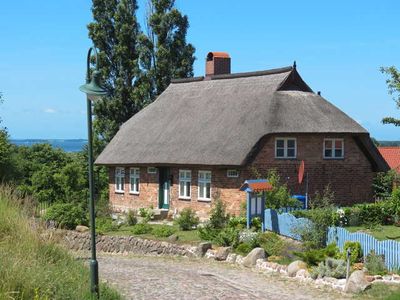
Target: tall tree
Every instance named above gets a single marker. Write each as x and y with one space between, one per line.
6 168
393 83
165 54
114 31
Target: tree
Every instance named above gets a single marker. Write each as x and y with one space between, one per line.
165 54
6 169
393 83
114 32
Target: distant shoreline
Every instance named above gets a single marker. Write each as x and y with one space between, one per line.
68 145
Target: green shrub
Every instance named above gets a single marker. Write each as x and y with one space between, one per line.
207 233
243 249
142 228
218 216
66 215
131 218
272 244
331 267
256 223
313 257
237 222
383 183
375 264
146 213
227 237
355 254
187 219
163 231
105 224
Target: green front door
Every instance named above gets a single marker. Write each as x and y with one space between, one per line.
163 188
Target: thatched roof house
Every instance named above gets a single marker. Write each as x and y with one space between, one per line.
224 121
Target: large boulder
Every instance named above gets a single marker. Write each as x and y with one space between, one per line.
295 266
82 228
202 248
357 283
222 253
251 259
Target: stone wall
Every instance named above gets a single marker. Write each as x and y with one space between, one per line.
125 244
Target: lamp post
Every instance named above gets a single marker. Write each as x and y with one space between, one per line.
93 91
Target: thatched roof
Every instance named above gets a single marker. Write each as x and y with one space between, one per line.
219 120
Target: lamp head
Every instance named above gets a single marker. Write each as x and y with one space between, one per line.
93 89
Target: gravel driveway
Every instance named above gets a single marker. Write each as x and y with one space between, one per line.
139 277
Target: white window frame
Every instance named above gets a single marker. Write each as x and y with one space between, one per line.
285 148
119 175
151 170
333 142
134 173
232 173
185 179
204 181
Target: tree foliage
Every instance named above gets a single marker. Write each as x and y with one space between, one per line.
393 83
136 66
165 54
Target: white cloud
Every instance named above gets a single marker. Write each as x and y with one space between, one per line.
50 110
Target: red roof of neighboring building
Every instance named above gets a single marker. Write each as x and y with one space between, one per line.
392 156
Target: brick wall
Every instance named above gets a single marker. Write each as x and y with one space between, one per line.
350 178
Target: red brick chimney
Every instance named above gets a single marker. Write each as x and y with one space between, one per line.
218 63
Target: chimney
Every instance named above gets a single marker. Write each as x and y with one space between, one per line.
218 63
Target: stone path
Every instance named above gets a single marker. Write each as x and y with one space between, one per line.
139 277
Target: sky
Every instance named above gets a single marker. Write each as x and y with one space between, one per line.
339 47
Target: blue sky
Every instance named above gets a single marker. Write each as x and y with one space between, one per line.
338 45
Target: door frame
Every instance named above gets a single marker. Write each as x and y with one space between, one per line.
163 177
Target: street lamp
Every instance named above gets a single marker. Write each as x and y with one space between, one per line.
93 91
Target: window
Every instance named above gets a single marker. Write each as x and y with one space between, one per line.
285 148
333 148
134 180
185 178
119 179
204 185
232 173
152 170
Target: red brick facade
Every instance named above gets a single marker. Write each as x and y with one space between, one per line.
350 178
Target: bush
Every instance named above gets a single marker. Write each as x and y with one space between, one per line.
383 183
142 228
146 213
66 215
272 244
256 223
250 237
187 219
331 267
375 264
131 218
227 237
355 254
163 231
313 257
105 224
218 216
243 249
237 222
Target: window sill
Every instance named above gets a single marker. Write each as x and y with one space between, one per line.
185 198
119 192
134 193
286 158
334 158
203 200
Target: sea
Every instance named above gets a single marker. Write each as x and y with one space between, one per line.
68 145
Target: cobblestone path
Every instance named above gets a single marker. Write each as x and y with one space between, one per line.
181 278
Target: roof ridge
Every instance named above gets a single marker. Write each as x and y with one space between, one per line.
234 75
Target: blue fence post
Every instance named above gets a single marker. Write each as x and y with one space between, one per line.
263 211
248 211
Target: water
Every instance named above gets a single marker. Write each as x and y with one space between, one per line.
69 145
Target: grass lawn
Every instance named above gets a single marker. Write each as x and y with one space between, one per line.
185 237
381 291
379 232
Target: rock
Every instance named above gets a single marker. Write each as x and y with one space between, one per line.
82 228
231 258
369 278
222 253
357 283
301 273
173 238
251 258
295 266
396 277
239 259
210 254
202 248
330 281
378 277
